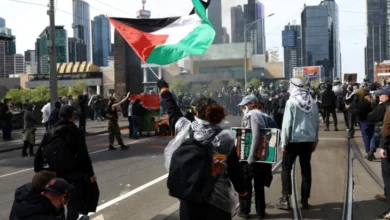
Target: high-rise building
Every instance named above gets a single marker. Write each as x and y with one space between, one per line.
215 16
377 36
29 56
102 40
42 49
7 48
81 18
225 36
254 12
77 50
14 64
237 24
292 43
333 10
318 47
2 22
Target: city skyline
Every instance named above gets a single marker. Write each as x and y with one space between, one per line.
352 21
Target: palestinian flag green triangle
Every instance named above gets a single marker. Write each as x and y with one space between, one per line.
164 41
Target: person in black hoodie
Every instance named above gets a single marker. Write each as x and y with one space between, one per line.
55 114
138 111
29 202
83 108
208 114
328 102
74 139
6 117
351 104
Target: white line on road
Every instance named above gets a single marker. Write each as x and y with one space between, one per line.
20 171
95 152
132 192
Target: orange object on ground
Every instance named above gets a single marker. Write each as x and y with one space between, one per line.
149 101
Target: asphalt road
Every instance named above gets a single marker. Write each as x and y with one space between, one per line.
133 183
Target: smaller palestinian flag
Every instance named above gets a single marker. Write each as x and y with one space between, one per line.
164 41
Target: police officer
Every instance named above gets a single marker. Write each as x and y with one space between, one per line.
113 126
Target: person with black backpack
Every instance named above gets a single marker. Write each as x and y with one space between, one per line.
64 150
202 161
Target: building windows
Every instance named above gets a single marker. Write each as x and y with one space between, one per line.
221 70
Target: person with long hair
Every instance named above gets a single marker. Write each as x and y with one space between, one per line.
113 126
206 130
365 105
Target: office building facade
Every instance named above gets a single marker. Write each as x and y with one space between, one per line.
215 16
81 20
317 39
77 50
254 12
2 22
29 56
101 40
333 10
14 64
42 49
377 36
237 24
292 44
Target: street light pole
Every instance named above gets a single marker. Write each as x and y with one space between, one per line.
246 46
53 56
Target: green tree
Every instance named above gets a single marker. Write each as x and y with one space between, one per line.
62 91
180 85
216 84
15 94
40 94
255 82
78 89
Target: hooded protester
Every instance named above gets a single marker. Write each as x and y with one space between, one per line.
365 105
299 138
328 102
206 131
29 130
255 120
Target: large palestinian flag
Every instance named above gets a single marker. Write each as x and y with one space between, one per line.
163 41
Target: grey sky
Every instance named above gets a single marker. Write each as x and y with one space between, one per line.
28 21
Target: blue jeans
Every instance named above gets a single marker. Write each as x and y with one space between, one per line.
368 130
136 124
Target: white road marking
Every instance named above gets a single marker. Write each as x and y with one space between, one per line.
20 171
99 217
132 192
95 152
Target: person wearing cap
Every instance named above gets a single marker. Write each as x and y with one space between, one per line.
255 120
6 117
74 139
29 202
113 126
376 116
299 138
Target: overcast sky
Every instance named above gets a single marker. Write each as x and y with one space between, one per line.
28 21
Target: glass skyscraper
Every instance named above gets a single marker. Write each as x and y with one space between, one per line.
237 24
101 40
81 18
42 50
377 37
292 43
215 16
254 11
317 39
2 22
333 10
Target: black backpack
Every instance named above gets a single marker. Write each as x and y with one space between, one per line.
56 153
190 173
